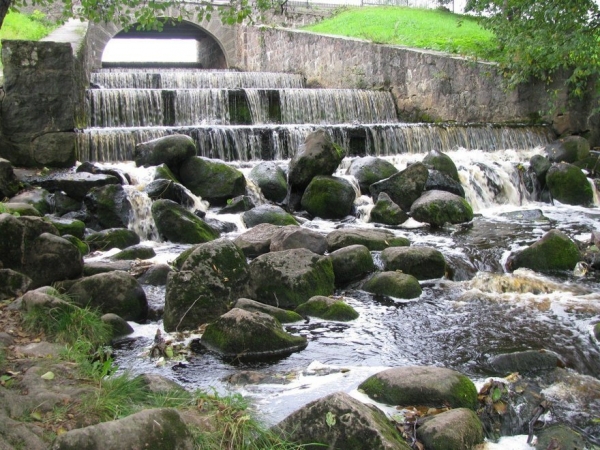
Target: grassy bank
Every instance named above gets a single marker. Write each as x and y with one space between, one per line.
412 27
26 27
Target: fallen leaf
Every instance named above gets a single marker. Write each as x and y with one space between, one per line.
48 376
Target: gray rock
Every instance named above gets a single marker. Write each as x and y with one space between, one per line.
524 362
328 308
9 185
387 212
40 350
170 190
108 207
64 226
13 284
438 161
457 429
568 184
75 185
89 167
268 214
283 315
424 263
170 150
569 149
439 181
559 437
94 268
292 236
271 180
369 170
404 187
213 180
39 198
328 197
112 238
118 325
18 238
257 240
21 209
135 252
374 240
351 263
393 284
156 275
440 207
238 204
554 251
177 224
539 165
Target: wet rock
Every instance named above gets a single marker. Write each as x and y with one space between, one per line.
13 284
292 236
328 308
118 325
424 263
64 226
569 149
63 204
387 212
271 180
156 275
158 384
374 240
219 225
524 362
177 224
393 284
439 207
339 421
369 170
169 150
438 181
248 335
108 207
529 215
404 187
246 377
421 385
9 184
554 251
283 315
568 184
213 180
597 331
170 190
114 292
18 235
289 278
257 240
112 238
54 259
39 198
135 252
89 167
75 185
272 214
351 263
558 437
21 209
328 197
163 172
161 428
457 429
440 162
238 204
539 165
94 268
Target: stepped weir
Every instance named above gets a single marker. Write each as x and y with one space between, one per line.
243 116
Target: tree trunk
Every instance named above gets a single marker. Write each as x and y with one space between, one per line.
4 5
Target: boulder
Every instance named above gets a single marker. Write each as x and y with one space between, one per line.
439 181
162 172
9 185
423 386
238 204
328 197
160 428
289 278
117 324
369 170
112 238
457 429
213 180
75 185
569 149
63 204
328 308
439 207
89 167
39 198
13 284
568 184
52 259
268 214
293 236
559 436
271 180
387 212
114 292
257 240
246 335
18 239
404 187
554 251
528 361
156 275
393 284
135 252
108 207
283 315
374 240
20 209
170 190
339 421
177 224
64 226
424 263
170 150
351 263
440 162
539 165
94 268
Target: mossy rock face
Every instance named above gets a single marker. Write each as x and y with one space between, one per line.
404 187
213 180
112 238
421 385
9 184
169 150
108 206
393 284
272 214
289 278
457 429
271 180
374 240
170 190
439 207
257 240
568 184
387 212
64 226
292 236
283 315
569 149
21 209
13 284
163 172
249 335
369 170
39 198
440 161
439 181
177 224
341 422
562 435
52 259
539 165
351 263
529 361
554 251
135 252
424 263
328 308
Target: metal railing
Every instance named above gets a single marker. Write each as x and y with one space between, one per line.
456 6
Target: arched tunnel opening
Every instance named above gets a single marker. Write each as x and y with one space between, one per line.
178 44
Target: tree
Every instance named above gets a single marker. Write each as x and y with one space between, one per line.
540 39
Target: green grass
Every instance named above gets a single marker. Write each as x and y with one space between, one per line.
413 27
26 27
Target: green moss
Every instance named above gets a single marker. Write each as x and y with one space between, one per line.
164 173
338 310
82 246
394 284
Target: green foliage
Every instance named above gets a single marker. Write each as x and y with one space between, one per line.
116 397
26 27
413 27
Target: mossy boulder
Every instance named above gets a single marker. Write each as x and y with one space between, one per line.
135 252
118 326
328 197
176 224
441 162
439 181
569 149
169 150
292 236
20 209
351 263
369 170
457 429
238 204
374 240
528 361
211 179
387 212
82 246
289 278
328 308
13 284
554 251
112 238
39 198
568 184
170 190
162 172
423 386
424 263
257 240
272 214
283 315
108 207
539 165
249 335
440 207
9 184
64 226
156 275
271 180
18 237
404 187
393 284
75 185
559 436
